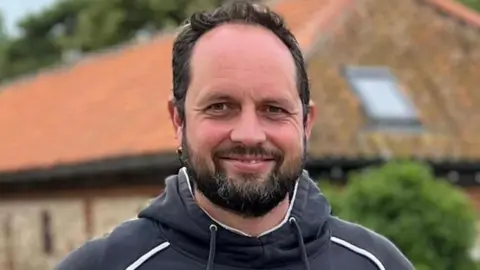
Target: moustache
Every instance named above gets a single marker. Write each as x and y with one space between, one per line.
258 152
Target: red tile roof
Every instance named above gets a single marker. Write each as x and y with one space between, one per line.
112 104
105 106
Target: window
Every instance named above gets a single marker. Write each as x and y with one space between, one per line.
9 245
383 102
46 222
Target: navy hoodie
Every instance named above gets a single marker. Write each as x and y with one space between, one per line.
174 233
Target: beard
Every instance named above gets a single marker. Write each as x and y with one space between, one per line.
248 195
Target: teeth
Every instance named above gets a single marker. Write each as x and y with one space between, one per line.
251 161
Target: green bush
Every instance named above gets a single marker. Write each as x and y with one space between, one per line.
430 220
334 194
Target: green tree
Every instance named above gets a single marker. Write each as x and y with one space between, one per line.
89 25
430 220
4 39
473 4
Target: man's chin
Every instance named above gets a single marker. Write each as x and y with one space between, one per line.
236 177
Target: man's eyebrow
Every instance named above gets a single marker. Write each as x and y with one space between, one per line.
261 99
276 100
285 102
215 95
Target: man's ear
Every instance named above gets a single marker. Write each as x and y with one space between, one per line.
175 118
312 111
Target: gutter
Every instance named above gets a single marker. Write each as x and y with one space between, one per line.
461 172
116 165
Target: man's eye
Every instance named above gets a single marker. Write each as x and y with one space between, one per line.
217 107
274 109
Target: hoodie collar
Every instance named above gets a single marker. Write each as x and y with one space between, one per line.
187 227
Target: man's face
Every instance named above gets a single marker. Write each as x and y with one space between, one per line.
243 137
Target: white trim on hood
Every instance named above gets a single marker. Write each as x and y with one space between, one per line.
148 255
359 251
284 221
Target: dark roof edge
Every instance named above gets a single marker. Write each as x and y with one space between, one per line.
169 161
130 163
459 165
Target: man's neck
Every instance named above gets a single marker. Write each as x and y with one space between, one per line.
250 226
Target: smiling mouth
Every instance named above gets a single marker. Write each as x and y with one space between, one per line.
245 164
248 160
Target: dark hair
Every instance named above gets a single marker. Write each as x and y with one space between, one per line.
246 12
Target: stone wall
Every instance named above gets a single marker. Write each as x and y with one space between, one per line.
24 241
23 228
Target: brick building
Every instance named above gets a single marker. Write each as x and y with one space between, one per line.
84 145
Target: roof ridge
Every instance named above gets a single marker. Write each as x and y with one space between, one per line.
118 48
457 10
97 54
320 23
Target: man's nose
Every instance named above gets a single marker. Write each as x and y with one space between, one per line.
248 129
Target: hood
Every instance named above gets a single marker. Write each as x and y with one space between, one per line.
302 235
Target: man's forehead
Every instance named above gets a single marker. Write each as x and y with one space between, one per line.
235 40
245 58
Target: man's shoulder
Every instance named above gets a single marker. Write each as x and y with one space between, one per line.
121 246
88 256
360 240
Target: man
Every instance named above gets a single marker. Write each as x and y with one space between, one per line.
242 115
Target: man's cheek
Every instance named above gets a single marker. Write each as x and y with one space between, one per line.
208 137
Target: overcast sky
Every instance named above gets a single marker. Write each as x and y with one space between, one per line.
14 9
